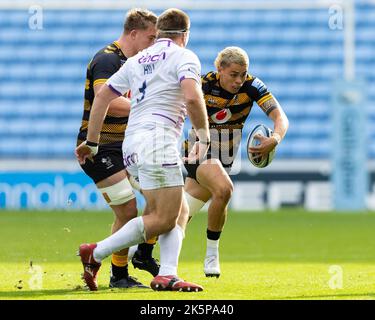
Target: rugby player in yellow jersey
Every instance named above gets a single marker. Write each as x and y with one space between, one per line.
229 95
107 167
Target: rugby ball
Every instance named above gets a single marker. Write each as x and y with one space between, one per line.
263 130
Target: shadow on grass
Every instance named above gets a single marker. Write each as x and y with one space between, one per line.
35 294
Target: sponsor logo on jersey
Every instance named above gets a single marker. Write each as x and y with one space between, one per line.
221 116
152 58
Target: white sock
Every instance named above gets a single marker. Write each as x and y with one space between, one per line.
131 252
194 204
130 234
212 247
170 246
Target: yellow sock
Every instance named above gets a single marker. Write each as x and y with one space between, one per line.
152 240
119 260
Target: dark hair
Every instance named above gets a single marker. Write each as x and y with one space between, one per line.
172 22
139 19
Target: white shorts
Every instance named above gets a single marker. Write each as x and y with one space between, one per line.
152 157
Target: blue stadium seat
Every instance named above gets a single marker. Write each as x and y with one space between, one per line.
293 51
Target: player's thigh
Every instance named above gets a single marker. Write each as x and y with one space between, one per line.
212 176
107 167
164 202
197 191
153 161
113 179
146 210
107 170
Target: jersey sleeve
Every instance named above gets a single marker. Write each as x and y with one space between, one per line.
207 80
189 67
261 95
119 82
103 67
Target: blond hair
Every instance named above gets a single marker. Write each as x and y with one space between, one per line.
231 55
139 19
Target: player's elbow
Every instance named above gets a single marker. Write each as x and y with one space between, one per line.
285 121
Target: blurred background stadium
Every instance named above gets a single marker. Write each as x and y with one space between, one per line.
298 48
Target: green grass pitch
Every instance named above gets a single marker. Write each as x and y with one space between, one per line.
289 254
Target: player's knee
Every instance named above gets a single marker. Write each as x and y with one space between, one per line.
119 193
223 192
167 223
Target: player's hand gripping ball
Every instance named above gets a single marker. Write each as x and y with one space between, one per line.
255 159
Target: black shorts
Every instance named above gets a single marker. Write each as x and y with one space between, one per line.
107 162
192 169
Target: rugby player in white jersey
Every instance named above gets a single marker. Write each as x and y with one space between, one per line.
164 80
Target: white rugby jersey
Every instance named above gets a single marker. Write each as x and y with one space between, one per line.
154 76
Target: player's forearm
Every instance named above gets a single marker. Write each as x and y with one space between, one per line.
198 116
196 108
98 113
281 124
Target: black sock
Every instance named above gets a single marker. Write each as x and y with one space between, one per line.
213 235
145 250
120 272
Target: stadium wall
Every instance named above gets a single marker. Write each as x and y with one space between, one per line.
64 186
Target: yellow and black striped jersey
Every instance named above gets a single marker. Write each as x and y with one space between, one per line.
227 113
102 66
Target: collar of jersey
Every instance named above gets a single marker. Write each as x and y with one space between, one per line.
118 47
164 39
